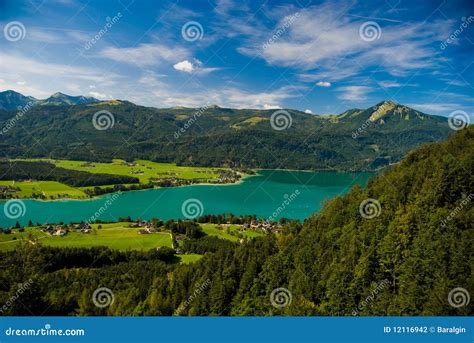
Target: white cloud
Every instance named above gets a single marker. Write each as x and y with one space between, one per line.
271 107
185 66
308 111
193 67
436 107
146 55
157 92
325 39
47 78
354 93
389 84
323 84
99 95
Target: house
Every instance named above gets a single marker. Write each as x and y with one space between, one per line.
60 232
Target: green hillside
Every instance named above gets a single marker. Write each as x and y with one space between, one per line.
215 137
403 257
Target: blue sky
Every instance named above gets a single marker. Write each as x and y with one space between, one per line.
319 56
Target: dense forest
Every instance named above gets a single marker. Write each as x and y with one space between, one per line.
401 258
46 171
212 136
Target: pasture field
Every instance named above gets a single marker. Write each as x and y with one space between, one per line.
213 230
115 236
50 189
144 170
188 258
141 169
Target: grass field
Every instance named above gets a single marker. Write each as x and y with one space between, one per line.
47 188
115 236
118 236
142 169
213 230
188 258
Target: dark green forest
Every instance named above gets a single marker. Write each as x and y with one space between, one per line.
405 260
215 137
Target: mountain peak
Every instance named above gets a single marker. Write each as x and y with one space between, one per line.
58 95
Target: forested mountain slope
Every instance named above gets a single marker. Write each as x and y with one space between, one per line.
403 257
213 136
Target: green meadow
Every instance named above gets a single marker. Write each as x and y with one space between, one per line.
115 236
145 171
229 231
119 236
141 169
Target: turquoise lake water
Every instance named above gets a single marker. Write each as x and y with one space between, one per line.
298 193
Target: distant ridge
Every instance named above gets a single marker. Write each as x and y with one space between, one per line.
358 139
11 100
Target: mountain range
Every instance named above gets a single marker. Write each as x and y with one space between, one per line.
11 100
357 139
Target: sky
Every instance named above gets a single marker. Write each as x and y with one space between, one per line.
321 57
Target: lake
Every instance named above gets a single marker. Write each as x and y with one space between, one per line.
270 194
